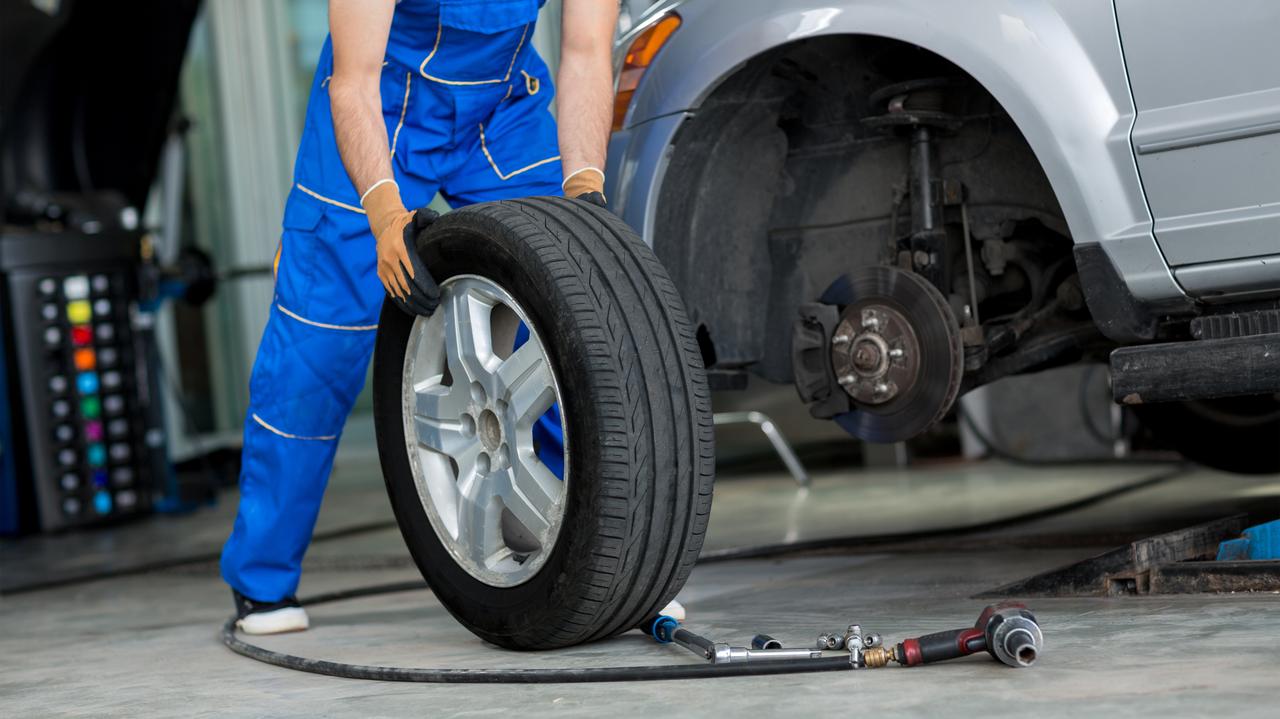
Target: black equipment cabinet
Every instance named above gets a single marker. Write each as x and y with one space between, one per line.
87 96
86 442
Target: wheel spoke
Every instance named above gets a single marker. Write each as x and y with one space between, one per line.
438 402
479 519
526 378
443 437
532 494
437 420
468 343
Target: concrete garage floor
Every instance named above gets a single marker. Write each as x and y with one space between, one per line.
146 644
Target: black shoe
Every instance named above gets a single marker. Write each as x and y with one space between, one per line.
255 617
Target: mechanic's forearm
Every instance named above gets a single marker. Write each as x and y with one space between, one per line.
584 109
584 105
362 137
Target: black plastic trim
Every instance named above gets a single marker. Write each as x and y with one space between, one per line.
1119 315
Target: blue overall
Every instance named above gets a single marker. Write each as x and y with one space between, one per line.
465 99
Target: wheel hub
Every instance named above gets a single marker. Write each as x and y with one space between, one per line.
895 350
875 353
471 401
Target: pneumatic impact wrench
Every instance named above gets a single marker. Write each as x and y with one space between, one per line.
1007 631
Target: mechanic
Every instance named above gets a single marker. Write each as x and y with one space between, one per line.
410 98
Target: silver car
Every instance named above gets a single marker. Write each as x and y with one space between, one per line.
890 202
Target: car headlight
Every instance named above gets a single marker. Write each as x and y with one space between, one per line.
637 49
633 12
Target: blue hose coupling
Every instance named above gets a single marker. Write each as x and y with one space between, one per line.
662 627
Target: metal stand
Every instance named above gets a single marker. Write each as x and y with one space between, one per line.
774 435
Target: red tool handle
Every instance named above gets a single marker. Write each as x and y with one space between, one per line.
941 646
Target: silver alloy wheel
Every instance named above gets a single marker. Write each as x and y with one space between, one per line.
470 404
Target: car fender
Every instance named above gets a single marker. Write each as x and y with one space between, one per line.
1055 66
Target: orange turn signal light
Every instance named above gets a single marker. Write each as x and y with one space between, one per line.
639 56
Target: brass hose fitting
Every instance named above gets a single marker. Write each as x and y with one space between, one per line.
876 657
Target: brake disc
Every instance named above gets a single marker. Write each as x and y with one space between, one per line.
896 352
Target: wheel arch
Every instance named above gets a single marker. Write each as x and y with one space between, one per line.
1055 66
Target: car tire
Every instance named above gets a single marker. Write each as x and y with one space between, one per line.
1234 434
637 412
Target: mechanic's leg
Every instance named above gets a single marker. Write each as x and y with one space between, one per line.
310 368
312 361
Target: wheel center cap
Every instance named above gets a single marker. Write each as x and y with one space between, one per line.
490 430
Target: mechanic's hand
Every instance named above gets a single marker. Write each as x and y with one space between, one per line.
387 220
595 198
424 293
393 256
586 184
401 271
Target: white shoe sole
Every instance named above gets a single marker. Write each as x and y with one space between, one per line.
289 619
675 610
